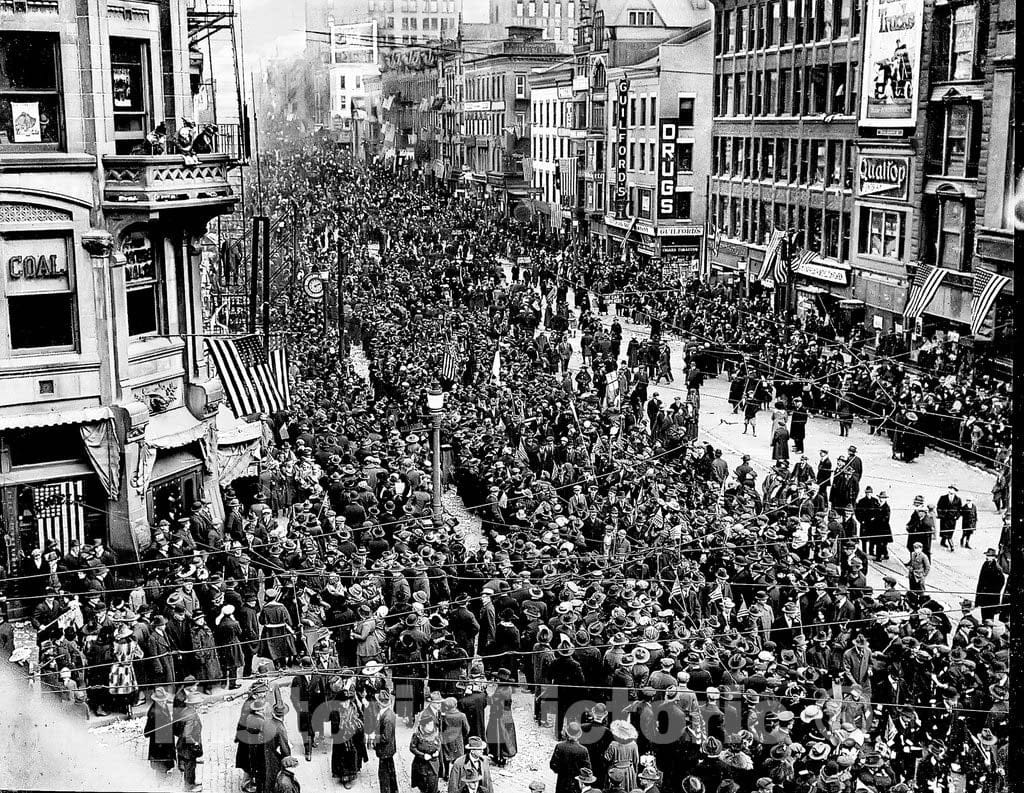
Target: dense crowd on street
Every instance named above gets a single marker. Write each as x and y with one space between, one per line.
941 399
682 622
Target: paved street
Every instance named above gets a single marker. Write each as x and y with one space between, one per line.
954 575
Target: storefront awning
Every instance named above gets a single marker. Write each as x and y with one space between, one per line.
173 429
231 430
236 460
173 464
53 418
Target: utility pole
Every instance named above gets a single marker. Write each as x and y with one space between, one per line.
342 325
265 242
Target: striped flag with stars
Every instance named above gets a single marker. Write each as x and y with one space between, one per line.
246 375
771 254
926 283
987 286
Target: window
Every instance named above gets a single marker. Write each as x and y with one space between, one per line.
632 112
41 305
962 40
519 8
520 86
684 205
130 80
143 289
832 234
953 233
641 19
881 233
643 110
31 113
838 97
686 105
684 157
654 111
958 124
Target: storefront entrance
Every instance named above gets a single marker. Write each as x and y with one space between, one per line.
177 483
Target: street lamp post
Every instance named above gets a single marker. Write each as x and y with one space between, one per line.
325 278
435 403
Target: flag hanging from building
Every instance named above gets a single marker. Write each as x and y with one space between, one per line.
802 258
987 286
922 291
59 512
279 368
771 254
245 372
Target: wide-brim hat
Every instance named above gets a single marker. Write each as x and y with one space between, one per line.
622 730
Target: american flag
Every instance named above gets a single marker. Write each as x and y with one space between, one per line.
922 291
246 374
804 257
279 368
771 254
450 363
520 455
987 286
59 513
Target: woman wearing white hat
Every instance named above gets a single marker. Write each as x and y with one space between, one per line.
227 635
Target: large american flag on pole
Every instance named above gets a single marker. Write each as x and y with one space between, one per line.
249 382
771 254
922 291
987 286
450 363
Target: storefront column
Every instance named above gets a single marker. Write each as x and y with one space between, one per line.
99 243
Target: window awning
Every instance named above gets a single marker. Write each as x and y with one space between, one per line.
173 464
231 430
53 418
236 461
173 429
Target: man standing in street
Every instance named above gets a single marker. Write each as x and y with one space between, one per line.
798 425
918 568
824 474
385 744
569 758
949 508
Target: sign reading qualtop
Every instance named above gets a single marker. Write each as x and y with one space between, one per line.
892 60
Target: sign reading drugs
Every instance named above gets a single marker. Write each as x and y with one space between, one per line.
667 130
892 60
621 146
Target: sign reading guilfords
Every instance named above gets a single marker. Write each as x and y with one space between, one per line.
621 146
883 177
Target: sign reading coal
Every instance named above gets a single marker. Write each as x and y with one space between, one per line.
35 264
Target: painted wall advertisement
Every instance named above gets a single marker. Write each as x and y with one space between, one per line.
892 61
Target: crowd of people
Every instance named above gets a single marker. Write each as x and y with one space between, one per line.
939 400
680 626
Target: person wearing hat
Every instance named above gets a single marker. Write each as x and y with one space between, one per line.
949 509
918 567
203 658
286 781
384 743
425 747
227 636
472 765
569 759
991 579
189 729
920 527
502 743
159 727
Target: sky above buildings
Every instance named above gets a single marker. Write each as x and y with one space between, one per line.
274 28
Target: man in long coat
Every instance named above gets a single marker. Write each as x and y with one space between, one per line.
276 746
990 585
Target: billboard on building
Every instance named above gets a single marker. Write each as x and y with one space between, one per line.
892 60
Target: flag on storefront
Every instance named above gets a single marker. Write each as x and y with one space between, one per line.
802 258
59 513
987 286
246 375
771 255
922 291
279 368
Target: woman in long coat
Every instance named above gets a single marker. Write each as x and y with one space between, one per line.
426 756
160 729
206 665
622 753
348 741
501 727
123 685
780 443
277 643
227 634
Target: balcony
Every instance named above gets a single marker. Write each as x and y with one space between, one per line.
141 182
